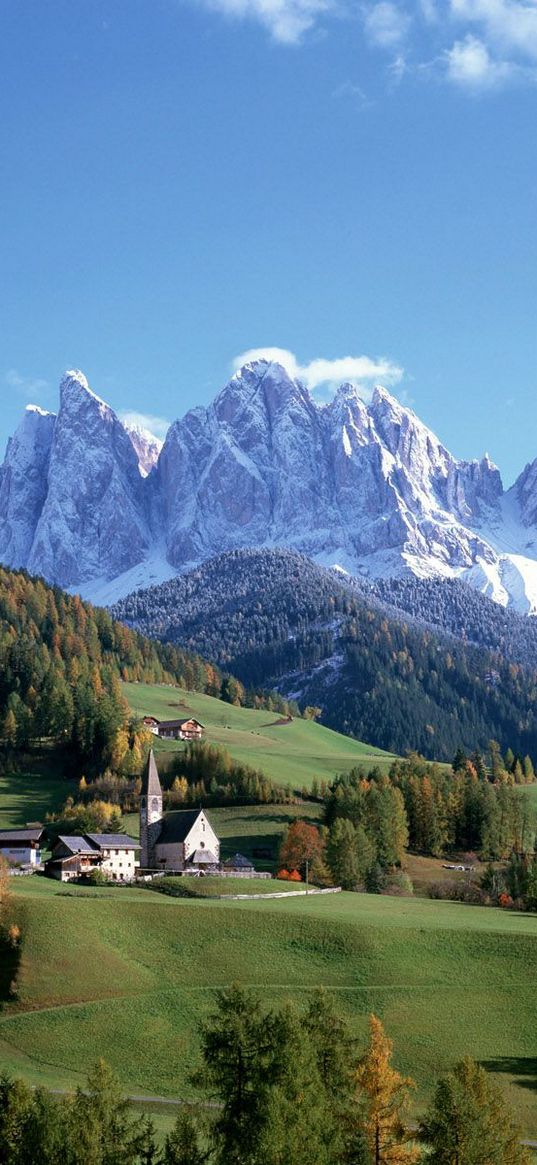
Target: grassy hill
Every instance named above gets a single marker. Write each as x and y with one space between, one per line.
129 974
293 753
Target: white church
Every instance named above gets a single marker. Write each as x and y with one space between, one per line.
182 840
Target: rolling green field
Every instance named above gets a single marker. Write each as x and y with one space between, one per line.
216 887
129 974
291 753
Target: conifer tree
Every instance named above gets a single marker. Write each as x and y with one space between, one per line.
182 1145
467 1123
384 1094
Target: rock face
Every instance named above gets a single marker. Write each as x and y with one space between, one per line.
146 446
364 486
92 523
264 465
23 484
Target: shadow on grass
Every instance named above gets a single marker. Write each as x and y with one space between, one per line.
522 1068
10 958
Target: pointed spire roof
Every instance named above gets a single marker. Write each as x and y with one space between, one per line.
151 786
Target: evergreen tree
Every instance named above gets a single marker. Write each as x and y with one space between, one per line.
238 1050
467 1123
182 1145
300 1122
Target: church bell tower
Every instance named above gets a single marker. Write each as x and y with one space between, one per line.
150 813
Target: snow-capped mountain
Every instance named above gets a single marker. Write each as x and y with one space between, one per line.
366 487
92 522
147 447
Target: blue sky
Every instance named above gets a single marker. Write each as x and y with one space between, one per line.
185 180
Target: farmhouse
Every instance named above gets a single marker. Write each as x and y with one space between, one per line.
183 840
79 855
190 729
22 847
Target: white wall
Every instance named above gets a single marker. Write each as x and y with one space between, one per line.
21 855
118 864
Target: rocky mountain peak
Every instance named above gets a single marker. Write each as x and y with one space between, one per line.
366 486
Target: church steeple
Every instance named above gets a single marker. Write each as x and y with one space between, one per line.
150 812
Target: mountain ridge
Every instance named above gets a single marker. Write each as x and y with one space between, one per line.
94 506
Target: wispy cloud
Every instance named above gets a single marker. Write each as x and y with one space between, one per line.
475 45
387 24
286 20
26 386
156 426
350 91
327 374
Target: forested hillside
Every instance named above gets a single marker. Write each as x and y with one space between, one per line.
274 617
454 607
61 662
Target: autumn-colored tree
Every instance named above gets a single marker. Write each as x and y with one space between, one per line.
302 843
384 1094
5 892
10 728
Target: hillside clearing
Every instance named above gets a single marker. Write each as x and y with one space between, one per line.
292 753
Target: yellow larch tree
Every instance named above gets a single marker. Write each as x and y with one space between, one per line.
384 1094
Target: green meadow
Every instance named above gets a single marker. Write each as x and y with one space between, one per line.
291 753
129 974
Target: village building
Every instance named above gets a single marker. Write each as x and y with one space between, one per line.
189 729
22 847
78 856
239 864
182 841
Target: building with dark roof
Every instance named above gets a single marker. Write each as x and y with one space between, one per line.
79 855
189 729
21 847
182 840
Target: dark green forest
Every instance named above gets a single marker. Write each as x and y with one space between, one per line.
275 618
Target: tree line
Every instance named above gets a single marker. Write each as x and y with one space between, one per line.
371 819
279 1087
274 617
61 666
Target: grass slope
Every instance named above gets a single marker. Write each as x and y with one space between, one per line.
129 974
29 795
293 753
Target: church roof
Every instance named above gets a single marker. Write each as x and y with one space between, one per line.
176 825
151 786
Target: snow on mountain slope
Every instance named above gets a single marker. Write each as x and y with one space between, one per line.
367 487
146 446
23 484
93 520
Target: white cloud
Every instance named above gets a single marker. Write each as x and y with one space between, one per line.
156 426
27 386
469 64
286 20
386 24
508 24
360 370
